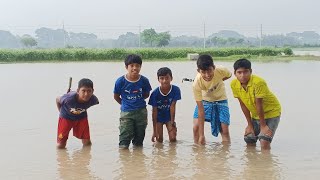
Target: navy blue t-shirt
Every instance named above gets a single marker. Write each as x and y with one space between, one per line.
163 102
132 92
71 109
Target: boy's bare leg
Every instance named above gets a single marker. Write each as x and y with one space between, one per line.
225 133
195 131
86 142
160 132
171 132
265 145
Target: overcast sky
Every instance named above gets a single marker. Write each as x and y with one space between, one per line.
111 18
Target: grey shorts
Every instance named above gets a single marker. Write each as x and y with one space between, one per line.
272 123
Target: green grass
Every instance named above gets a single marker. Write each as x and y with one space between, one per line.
148 54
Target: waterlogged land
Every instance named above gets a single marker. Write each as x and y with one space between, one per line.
152 54
29 123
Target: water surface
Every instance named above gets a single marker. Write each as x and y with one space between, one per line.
29 123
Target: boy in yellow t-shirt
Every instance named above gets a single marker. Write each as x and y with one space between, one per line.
210 96
259 105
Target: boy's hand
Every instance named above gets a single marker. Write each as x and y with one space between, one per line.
249 130
154 137
266 130
202 140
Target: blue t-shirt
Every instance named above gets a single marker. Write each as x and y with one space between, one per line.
71 109
163 102
132 92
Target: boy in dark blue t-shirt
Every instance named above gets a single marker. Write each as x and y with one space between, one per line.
73 113
130 91
163 101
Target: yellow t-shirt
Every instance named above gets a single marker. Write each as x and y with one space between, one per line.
257 88
213 90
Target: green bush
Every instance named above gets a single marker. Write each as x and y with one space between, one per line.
77 54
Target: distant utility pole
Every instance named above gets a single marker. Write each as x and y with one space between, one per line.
139 36
204 34
260 35
64 35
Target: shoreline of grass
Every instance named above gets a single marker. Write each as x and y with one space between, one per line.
96 55
221 59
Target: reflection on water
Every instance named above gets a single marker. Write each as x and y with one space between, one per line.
74 165
260 165
211 161
132 164
164 160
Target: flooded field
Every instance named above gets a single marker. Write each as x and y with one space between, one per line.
29 123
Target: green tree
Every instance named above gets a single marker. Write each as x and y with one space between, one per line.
163 39
149 36
28 41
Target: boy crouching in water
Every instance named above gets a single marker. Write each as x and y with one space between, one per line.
73 113
163 101
211 98
259 105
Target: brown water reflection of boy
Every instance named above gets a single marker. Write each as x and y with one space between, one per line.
75 166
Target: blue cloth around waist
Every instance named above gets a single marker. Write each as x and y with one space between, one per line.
216 112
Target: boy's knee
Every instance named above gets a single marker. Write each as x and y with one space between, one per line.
225 133
61 145
195 129
265 144
86 142
173 139
160 140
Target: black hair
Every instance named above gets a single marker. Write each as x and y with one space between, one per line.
164 71
85 83
242 63
204 62
132 58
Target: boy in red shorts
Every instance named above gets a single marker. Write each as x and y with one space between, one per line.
73 113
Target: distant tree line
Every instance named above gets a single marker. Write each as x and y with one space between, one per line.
59 38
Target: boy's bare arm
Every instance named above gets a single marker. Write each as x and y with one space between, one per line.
173 111
146 95
263 125
247 114
58 103
259 107
200 118
245 111
225 78
117 98
154 123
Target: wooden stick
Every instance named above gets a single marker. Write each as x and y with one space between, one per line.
70 83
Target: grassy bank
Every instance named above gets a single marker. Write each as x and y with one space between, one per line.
66 55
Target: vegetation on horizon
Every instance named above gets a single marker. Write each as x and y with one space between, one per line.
34 55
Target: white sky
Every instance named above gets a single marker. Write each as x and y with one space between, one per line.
111 18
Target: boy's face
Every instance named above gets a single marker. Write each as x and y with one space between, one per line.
165 80
84 94
243 75
133 69
208 74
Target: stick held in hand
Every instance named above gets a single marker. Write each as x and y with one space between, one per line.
70 83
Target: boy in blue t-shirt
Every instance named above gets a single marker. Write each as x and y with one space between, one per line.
163 101
130 91
73 113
